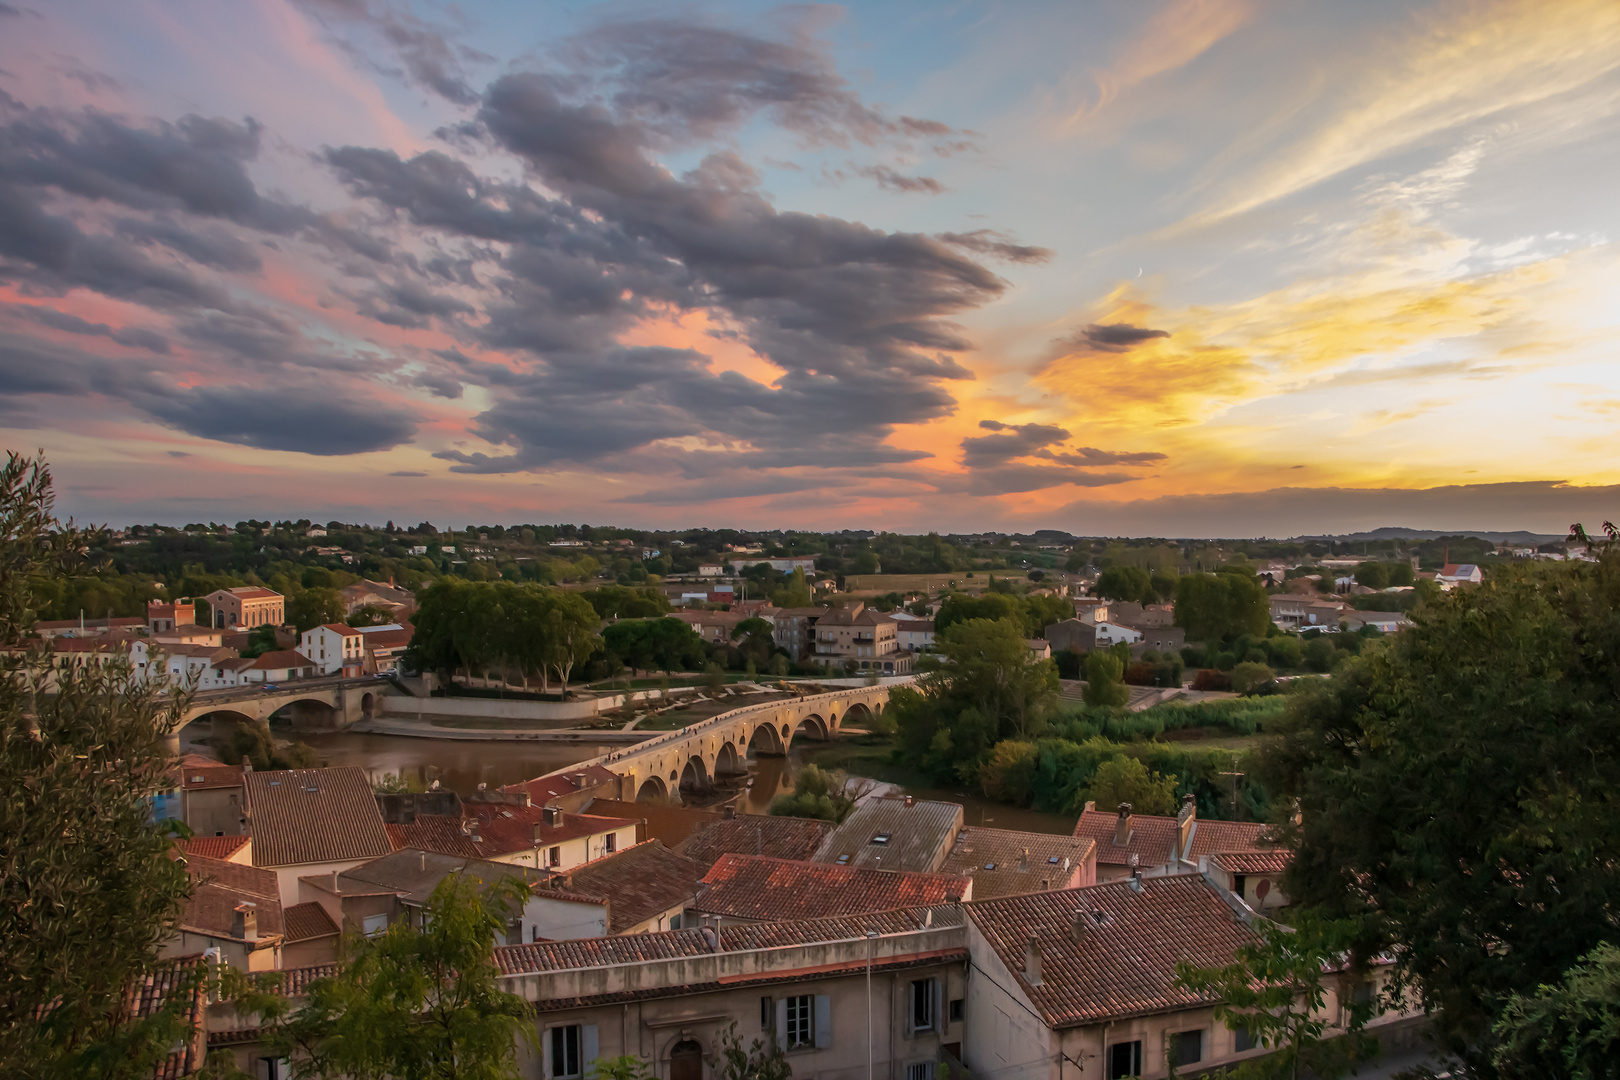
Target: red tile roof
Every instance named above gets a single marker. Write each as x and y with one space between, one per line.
638 882
1002 862
1212 836
301 816
216 890
755 834
253 592
765 889
306 921
343 629
1153 838
595 952
501 828
1124 962
197 773
544 788
282 658
671 824
213 847
433 832
180 975
1276 861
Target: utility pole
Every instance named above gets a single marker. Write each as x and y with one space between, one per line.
871 946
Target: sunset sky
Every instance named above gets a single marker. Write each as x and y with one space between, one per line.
1186 268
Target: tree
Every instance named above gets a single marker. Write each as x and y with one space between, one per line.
1220 607
1105 683
88 894
1570 1029
1127 780
1250 676
624 602
315 607
991 666
818 793
1456 785
411 1002
1128 583
795 593
1275 989
1372 575
763 1060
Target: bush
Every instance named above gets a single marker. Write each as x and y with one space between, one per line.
1127 780
1008 774
1212 679
1103 680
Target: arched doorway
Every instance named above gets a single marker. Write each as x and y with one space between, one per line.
368 705
686 1060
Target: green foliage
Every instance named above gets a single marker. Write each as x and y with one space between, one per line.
88 893
1457 786
1105 680
1275 990
1033 614
763 1060
411 1002
625 602
1127 780
1568 1029
1372 575
817 793
796 593
1008 772
1130 583
255 744
261 639
1219 607
315 607
626 1067
655 644
524 629
1250 676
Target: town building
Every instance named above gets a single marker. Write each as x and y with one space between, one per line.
894 834
792 838
861 637
1007 862
383 647
246 606
399 603
646 887
1299 611
756 888
915 635
795 630
163 615
233 908
1156 845
1077 635
312 821
1453 574
738 563
334 649
510 829
211 797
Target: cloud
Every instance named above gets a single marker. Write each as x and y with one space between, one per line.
408 472
994 468
1112 337
306 420
134 337
890 180
996 244
431 59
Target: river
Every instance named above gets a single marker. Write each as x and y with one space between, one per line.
462 766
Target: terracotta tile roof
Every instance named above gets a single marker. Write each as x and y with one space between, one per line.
295 981
756 834
388 639
507 827
300 816
180 975
595 952
740 936
544 788
671 824
1275 861
1212 836
1124 963
341 629
303 922
218 887
213 847
433 832
638 882
1152 838
197 773
253 592
282 658
1003 862
767 890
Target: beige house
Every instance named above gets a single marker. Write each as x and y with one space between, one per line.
233 908
860 636
246 606
795 630
211 796
306 822
508 828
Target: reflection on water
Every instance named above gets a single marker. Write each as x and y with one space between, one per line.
462 766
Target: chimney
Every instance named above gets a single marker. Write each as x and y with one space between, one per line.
1091 806
1023 862
552 815
1080 924
536 832
910 802
524 798
1032 961
729 813
1136 881
1122 827
1186 822
245 922
421 857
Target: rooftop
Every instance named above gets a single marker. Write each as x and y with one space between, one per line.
1003 862
1122 962
491 829
542 789
218 887
1152 838
639 882
281 658
671 824
754 834
213 847
1276 861
304 922
763 889
893 834
197 773
299 816
413 874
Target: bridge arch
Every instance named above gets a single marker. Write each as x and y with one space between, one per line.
814 727
652 789
727 762
695 775
766 740
859 714
368 705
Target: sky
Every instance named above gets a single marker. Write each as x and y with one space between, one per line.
1173 267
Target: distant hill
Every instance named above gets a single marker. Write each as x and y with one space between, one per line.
1391 532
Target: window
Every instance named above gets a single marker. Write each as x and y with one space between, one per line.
801 1021
922 1004
274 1069
1186 1048
565 1051
554 857
612 842
374 925
881 838
956 1010
923 1070
1125 1059
1243 1039
767 1013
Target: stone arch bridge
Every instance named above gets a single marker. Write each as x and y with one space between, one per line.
331 704
693 757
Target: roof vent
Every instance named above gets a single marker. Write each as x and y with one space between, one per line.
880 838
1032 961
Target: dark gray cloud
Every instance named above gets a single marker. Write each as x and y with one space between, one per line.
305 420
134 337
408 472
994 468
1010 441
1110 337
432 60
1090 456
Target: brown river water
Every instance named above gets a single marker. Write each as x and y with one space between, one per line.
462 766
